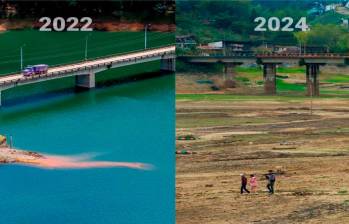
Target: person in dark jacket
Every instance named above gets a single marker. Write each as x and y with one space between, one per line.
243 184
271 181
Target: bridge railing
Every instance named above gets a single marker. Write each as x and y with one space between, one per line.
111 55
109 63
24 79
266 55
309 55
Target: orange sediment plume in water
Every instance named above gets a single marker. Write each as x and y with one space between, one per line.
79 162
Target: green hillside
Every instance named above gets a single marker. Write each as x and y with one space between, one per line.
329 18
55 48
234 20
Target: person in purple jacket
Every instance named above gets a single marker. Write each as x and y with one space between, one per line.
271 181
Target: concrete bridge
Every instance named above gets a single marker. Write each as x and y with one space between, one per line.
270 62
85 71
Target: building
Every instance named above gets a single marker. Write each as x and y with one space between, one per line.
227 47
279 49
331 7
291 49
186 41
270 47
210 49
238 46
312 49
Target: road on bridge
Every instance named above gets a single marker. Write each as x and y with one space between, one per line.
89 63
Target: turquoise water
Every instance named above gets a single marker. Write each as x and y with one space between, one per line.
130 122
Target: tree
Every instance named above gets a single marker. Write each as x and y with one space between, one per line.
335 38
302 38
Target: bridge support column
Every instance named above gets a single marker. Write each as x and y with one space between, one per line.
269 75
168 64
0 100
229 75
313 79
85 81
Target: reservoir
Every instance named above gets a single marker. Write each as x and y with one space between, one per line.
128 121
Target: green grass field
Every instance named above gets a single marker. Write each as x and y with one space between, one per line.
281 85
54 48
340 78
280 70
245 75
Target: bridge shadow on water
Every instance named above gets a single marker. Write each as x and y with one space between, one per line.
60 100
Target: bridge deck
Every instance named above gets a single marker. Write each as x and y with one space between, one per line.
64 70
269 58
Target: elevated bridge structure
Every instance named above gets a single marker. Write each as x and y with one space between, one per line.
270 63
85 71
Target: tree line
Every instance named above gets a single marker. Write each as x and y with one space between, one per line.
109 9
234 20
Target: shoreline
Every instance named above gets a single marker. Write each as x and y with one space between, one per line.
9 155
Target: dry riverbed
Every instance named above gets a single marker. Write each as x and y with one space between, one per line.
309 151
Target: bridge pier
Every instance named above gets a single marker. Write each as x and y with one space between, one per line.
313 79
0 99
229 75
269 76
87 81
168 64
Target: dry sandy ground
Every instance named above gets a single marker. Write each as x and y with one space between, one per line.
310 151
8 155
187 84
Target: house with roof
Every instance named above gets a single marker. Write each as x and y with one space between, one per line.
227 47
186 41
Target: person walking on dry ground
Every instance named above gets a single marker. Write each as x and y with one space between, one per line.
271 181
253 183
243 184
